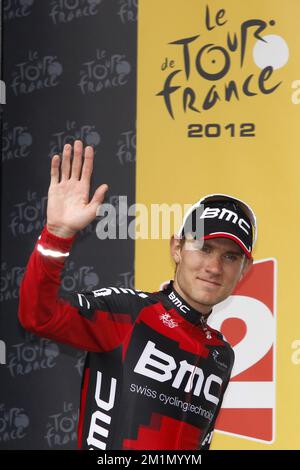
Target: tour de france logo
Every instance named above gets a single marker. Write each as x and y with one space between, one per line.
210 71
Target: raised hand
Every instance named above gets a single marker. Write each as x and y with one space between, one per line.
69 209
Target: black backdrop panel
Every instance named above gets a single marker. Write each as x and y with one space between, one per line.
70 72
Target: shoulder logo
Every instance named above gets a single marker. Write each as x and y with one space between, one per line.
104 291
216 358
168 320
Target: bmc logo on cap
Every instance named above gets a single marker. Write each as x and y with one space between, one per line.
226 214
247 320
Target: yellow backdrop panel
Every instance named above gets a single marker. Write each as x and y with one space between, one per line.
214 117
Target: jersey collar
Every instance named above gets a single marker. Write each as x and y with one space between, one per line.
171 296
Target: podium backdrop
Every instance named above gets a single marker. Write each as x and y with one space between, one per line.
218 111
194 97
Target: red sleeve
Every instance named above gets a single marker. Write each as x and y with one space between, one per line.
42 312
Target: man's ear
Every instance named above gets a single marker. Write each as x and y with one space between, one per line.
175 248
247 265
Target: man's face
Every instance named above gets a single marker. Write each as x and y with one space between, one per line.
207 271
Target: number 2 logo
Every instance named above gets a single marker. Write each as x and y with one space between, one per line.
247 320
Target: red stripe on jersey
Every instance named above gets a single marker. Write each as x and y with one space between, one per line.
159 435
192 337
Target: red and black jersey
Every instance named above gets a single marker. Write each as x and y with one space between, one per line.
155 374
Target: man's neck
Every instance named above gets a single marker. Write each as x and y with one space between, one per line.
201 308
